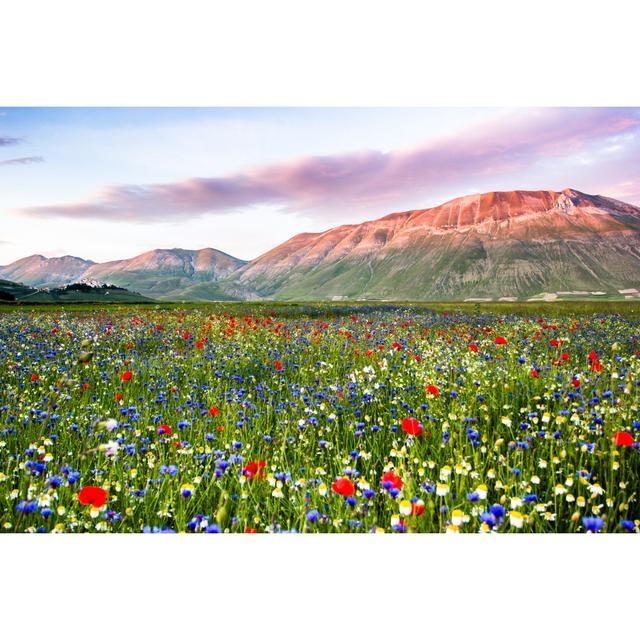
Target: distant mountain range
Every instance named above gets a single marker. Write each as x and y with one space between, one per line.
514 244
163 274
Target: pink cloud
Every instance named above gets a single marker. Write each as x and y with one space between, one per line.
24 160
319 185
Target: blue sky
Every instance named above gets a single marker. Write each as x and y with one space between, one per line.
111 183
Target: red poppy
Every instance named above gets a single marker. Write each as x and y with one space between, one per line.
214 411
35 377
534 373
433 390
473 347
199 344
411 426
164 429
597 366
186 335
393 478
95 496
344 487
565 356
118 397
127 375
593 356
417 508
623 439
278 365
500 340
250 530
397 346
255 468
576 382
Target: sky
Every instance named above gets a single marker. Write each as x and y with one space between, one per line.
110 183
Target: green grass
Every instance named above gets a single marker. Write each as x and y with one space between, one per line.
319 392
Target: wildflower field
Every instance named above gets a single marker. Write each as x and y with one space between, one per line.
326 418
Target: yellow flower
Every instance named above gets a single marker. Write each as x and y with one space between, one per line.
458 517
405 508
442 489
516 519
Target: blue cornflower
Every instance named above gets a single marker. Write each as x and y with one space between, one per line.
488 518
26 507
593 523
313 515
54 481
497 510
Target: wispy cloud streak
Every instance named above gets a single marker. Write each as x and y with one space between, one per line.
25 160
318 185
6 141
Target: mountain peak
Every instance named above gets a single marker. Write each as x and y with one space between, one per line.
500 242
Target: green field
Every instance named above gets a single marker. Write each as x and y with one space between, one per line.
320 417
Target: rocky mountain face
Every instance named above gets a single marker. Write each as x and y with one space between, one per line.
176 274
163 273
517 244
491 245
41 272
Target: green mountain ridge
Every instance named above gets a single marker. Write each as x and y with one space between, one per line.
513 245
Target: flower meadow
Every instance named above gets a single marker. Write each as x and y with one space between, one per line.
246 419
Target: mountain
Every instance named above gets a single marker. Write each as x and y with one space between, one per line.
175 274
512 244
40 271
84 291
499 244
